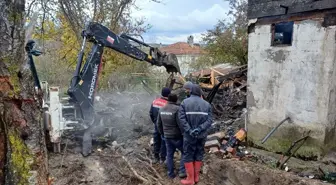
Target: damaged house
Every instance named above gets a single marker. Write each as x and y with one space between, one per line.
292 73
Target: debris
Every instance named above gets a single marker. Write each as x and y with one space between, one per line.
151 143
205 169
50 180
231 144
212 143
98 98
228 122
241 134
218 136
273 130
99 150
133 170
225 88
115 143
289 152
214 150
286 169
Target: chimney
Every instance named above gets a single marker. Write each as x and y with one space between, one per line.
191 40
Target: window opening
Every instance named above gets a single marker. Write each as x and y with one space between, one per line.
282 34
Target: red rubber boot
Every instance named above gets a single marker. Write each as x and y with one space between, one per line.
190 174
197 167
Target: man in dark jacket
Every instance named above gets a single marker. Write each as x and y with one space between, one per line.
159 143
195 116
171 130
184 92
187 88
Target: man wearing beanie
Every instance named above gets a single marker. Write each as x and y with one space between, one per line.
159 143
195 116
184 92
171 129
187 88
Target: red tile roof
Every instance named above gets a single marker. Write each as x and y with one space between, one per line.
181 48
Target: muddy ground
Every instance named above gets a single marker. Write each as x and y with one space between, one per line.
107 166
126 157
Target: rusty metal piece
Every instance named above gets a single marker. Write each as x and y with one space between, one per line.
289 153
273 130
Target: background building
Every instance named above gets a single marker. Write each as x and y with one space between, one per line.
186 53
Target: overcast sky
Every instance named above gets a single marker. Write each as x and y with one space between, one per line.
175 20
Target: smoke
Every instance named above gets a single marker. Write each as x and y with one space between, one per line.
122 116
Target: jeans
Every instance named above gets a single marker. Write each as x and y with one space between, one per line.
193 148
160 151
172 145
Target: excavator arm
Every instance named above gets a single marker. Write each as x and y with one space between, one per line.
85 80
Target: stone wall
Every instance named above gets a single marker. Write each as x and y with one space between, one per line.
296 81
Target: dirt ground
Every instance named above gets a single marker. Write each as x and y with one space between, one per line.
114 165
126 157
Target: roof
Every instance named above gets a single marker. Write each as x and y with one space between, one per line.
182 48
268 8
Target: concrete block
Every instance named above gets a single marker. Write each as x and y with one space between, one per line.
214 149
212 143
218 136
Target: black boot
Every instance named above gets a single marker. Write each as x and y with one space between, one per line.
156 159
182 175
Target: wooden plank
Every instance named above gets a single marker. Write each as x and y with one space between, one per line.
212 80
217 71
291 17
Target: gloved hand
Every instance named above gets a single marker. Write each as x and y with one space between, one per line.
194 133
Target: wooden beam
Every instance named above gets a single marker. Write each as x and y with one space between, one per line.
212 75
259 9
217 71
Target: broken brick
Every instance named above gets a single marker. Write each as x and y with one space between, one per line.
212 143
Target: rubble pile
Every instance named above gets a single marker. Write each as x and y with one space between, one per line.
229 143
230 99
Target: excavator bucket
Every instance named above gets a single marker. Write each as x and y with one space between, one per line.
171 64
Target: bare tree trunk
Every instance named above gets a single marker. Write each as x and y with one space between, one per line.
23 156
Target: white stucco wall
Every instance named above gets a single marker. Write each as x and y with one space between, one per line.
185 61
297 80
